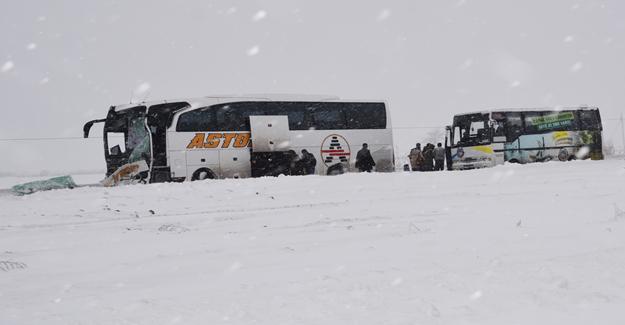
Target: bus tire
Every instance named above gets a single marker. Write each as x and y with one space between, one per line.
202 174
514 161
336 169
563 155
572 157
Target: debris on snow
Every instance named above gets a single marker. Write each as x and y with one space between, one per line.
173 228
54 183
125 174
10 266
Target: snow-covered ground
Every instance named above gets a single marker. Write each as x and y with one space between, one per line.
533 244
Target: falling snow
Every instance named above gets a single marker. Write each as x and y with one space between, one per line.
253 50
466 64
577 66
384 15
260 15
7 66
142 88
476 295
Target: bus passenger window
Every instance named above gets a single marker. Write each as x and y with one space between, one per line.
589 120
201 119
365 115
229 118
296 111
513 125
328 117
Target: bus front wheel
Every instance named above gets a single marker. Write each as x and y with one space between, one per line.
202 173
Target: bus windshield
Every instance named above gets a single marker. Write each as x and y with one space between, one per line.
126 136
471 129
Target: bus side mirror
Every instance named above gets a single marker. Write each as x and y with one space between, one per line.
88 125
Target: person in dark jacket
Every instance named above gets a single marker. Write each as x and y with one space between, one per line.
428 156
364 160
291 164
308 161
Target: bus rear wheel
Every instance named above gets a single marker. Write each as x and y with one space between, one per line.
563 155
202 174
336 169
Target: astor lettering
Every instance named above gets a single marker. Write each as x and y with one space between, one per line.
213 140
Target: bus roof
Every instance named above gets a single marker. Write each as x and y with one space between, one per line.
535 109
219 99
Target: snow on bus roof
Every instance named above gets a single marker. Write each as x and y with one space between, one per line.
279 97
532 109
217 99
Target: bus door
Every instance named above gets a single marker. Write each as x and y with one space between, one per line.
270 145
158 120
499 141
449 138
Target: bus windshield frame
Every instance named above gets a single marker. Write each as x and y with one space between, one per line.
471 130
135 146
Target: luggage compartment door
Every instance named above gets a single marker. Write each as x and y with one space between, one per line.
270 133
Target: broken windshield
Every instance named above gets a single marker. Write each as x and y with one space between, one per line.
127 138
138 140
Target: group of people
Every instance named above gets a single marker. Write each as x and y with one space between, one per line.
427 159
305 164
290 163
300 165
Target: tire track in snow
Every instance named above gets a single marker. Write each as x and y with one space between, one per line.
182 214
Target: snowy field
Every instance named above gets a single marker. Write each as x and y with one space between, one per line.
533 244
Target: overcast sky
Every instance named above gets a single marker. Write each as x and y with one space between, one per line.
64 62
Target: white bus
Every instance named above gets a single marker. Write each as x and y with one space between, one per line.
489 138
243 136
